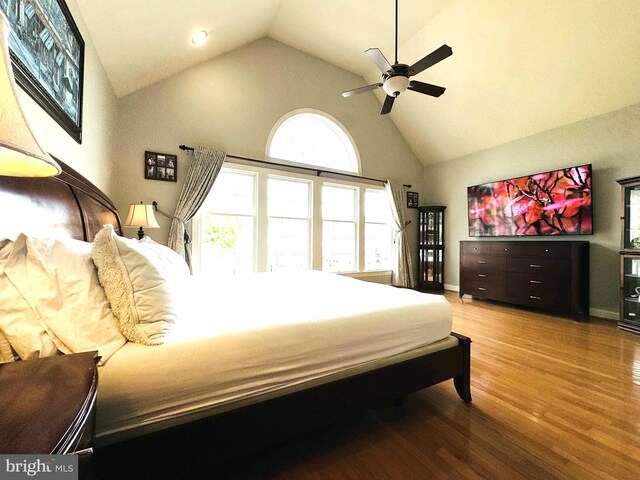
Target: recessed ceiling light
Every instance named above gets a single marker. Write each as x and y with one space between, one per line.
199 38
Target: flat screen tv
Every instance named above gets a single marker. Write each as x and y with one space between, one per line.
550 203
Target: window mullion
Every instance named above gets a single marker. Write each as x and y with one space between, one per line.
262 220
360 230
316 224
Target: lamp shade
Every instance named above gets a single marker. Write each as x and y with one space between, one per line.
20 153
141 215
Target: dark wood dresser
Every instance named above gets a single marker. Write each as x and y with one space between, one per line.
47 406
549 275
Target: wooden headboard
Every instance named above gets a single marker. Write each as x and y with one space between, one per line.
64 206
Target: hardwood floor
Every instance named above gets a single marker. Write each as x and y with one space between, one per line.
552 399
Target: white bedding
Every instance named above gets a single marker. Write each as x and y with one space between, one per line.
258 334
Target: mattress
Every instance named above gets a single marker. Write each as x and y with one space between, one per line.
258 335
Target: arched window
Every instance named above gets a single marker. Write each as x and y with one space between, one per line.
313 138
269 220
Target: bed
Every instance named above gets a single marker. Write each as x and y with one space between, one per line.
268 364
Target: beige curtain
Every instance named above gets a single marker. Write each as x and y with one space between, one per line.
204 168
403 271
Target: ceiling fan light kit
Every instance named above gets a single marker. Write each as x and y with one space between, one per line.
396 78
395 85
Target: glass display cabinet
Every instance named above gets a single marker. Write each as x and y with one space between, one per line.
431 246
630 256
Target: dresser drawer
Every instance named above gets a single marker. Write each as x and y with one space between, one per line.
535 283
485 277
476 247
548 251
551 266
547 299
480 287
483 263
507 249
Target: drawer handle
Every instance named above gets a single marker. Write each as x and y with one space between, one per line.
535 298
631 314
481 289
533 265
535 281
481 262
506 249
546 250
481 275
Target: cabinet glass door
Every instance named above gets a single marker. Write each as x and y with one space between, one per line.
630 308
632 218
431 248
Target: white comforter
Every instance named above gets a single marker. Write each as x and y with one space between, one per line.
255 334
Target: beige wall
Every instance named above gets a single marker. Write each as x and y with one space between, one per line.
609 142
231 103
93 158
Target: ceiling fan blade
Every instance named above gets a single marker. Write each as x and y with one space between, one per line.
426 88
376 56
434 57
388 103
355 91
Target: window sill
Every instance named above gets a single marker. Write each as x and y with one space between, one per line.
381 276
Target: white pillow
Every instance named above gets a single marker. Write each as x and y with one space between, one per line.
60 284
143 281
26 334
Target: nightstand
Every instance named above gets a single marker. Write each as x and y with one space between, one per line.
47 406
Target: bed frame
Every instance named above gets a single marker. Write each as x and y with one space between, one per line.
71 206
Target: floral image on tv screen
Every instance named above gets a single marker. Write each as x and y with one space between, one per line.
551 203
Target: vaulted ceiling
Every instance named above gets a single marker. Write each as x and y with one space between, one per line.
519 67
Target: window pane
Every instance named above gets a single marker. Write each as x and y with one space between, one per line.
226 244
227 231
288 244
288 198
232 193
338 246
378 245
338 203
376 206
315 140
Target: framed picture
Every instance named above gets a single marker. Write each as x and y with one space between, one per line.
160 166
47 54
412 199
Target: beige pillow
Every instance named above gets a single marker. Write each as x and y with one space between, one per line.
7 354
144 283
20 325
62 286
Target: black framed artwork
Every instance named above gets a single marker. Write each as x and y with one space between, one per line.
47 54
412 199
161 166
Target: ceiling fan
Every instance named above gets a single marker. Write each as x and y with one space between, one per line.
396 78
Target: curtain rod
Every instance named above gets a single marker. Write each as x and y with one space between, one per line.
318 172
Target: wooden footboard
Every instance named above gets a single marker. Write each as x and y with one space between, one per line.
247 429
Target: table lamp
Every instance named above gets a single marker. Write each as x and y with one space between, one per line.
141 216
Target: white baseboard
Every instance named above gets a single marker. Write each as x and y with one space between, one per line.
452 288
